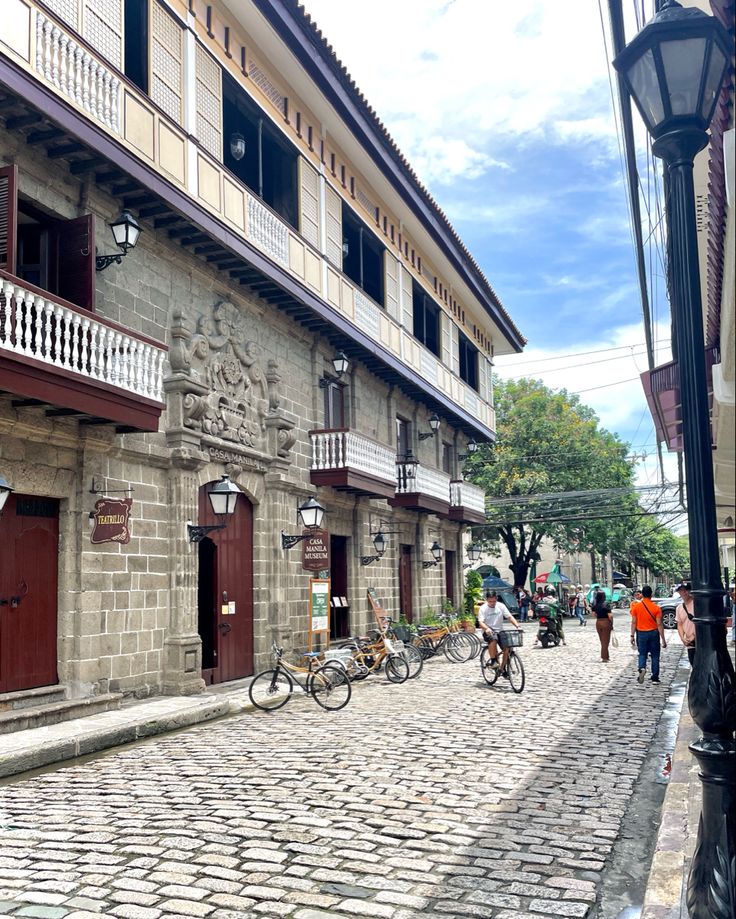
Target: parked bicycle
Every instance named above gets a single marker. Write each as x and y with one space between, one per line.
326 683
457 646
491 667
368 656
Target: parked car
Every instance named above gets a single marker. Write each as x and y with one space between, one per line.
668 605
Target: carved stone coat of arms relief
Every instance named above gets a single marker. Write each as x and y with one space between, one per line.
219 390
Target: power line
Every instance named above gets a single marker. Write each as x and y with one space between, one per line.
560 357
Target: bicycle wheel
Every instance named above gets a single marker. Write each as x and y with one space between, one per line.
425 646
516 672
487 670
477 644
271 689
414 659
457 647
330 687
397 669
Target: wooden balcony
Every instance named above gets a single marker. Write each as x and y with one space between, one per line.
421 489
349 461
467 503
74 362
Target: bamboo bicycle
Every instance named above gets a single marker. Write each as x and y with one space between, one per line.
457 647
327 684
368 657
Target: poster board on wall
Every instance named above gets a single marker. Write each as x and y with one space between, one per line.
319 612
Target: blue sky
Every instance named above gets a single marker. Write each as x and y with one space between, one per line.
505 112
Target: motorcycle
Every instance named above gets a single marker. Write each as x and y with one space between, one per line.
549 629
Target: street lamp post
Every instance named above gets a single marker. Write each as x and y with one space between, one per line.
673 70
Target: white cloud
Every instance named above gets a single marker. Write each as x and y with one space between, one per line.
439 72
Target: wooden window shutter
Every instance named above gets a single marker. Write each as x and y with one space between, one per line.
455 348
76 260
309 216
391 268
8 217
446 339
407 303
482 377
167 54
103 28
333 207
209 102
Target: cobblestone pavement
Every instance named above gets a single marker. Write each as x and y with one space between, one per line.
442 797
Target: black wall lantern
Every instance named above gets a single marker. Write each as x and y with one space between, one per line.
310 514
379 544
436 550
472 448
434 424
673 70
125 231
340 364
223 499
5 490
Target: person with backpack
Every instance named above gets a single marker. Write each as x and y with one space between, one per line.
646 632
684 616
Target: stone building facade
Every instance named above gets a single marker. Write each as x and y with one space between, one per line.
207 351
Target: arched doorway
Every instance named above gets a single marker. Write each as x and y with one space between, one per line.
225 593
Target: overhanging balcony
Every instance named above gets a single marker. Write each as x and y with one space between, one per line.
467 503
422 489
662 391
349 461
74 362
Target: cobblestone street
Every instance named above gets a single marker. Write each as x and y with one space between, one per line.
440 797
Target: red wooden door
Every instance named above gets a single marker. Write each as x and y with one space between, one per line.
29 551
406 598
231 616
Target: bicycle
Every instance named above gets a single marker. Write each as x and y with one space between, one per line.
327 684
458 647
491 668
368 656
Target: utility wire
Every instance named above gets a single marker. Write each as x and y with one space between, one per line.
582 353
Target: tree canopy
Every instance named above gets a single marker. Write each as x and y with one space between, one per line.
555 472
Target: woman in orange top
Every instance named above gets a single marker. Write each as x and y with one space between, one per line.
646 631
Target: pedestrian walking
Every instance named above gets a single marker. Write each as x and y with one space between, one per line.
522 600
684 616
580 605
603 623
646 632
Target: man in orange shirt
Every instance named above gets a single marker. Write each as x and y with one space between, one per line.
646 631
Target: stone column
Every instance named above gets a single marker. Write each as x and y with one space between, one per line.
183 646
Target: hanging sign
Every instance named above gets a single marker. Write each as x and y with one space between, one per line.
112 520
316 550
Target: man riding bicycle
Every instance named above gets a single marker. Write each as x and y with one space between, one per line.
491 617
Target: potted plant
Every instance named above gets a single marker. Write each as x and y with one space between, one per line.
472 596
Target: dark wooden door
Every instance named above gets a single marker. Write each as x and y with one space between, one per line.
450 575
227 627
29 552
406 597
339 614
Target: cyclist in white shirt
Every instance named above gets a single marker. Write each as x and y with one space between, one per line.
491 616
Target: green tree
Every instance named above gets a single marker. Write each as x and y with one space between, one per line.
550 444
661 551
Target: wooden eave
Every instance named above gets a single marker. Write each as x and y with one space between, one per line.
357 483
417 501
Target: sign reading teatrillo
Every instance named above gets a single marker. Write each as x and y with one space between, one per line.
112 520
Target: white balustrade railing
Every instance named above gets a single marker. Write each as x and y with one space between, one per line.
414 478
38 327
76 73
463 494
347 449
268 232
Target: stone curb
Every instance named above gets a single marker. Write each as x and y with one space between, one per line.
38 747
667 883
